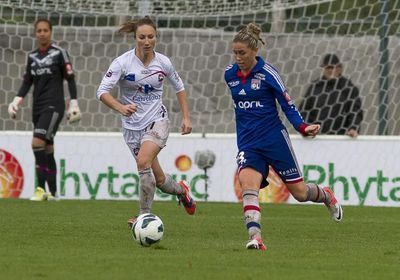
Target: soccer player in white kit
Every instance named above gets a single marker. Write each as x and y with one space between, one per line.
140 73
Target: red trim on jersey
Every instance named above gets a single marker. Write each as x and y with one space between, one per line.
302 128
152 74
251 207
44 50
295 181
242 77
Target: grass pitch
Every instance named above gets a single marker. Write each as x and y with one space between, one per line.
90 240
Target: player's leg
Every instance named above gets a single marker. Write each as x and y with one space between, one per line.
51 175
38 147
166 184
285 164
250 181
147 153
152 139
44 124
164 181
302 192
252 171
55 119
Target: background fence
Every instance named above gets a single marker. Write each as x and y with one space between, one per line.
197 36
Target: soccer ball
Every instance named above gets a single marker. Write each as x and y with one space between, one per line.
148 230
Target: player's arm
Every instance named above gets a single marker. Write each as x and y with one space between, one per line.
73 112
289 108
108 82
186 123
181 94
124 109
23 91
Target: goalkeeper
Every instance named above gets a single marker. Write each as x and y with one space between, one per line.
46 69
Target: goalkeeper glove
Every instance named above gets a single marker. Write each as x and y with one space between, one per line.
73 114
13 107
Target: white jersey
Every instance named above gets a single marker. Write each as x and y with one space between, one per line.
142 86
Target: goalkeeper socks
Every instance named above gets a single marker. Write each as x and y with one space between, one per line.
170 186
147 190
252 214
51 175
317 194
41 166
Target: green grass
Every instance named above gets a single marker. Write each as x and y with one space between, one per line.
90 240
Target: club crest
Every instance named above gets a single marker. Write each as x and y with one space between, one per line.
255 84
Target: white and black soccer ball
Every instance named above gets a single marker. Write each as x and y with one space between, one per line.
147 230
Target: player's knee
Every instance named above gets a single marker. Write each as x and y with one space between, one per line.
38 143
143 163
300 196
49 149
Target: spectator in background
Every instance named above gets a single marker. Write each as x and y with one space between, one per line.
333 101
46 69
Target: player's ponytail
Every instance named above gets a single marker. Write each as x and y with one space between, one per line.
131 26
250 35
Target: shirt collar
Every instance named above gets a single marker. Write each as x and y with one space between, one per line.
260 64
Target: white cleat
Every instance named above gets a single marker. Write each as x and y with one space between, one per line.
334 207
256 244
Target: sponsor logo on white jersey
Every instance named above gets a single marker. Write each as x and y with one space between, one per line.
242 92
130 77
109 74
149 98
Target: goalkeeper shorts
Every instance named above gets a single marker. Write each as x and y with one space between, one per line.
45 124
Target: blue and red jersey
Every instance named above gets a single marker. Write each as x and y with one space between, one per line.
258 126
254 98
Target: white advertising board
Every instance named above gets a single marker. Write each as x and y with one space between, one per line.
364 171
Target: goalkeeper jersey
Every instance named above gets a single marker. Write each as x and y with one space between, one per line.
141 85
46 70
254 99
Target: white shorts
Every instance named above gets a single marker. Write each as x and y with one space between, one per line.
156 132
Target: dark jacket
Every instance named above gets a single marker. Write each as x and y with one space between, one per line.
335 104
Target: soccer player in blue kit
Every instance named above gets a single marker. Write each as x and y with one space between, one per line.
262 139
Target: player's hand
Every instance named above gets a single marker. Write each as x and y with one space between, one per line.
352 133
186 127
312 130
128 109
74 113
13 107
